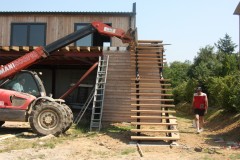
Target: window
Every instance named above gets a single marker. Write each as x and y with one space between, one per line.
28 34
22 82
94 39
86 41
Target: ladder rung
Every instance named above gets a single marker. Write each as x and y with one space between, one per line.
98 100
96 113
99 88
101 82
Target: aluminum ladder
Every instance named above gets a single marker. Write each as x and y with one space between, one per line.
84 108
98 99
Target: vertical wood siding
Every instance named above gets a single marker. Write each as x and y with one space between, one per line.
59 25
117 98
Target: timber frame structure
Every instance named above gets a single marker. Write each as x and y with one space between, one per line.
135 90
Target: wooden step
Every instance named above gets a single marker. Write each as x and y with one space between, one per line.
147 83
152 99
151 79
152 130
156 105
150 123
153 111
140 59
153 138
151 94
147 54
152 88
149 41
149 46
146 66
148 62
153 117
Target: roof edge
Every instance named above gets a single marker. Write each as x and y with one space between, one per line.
237 10
65 12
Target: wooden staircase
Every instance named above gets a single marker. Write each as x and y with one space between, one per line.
152 106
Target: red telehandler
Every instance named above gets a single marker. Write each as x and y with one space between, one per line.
45 114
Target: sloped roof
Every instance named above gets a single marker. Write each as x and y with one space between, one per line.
67 13
237 10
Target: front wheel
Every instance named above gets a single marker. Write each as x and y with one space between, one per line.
48 118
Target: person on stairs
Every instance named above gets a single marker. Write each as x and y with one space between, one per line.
200 106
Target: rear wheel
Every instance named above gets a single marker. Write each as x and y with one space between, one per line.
1 123
48 118
69 118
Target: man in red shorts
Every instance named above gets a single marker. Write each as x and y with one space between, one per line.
200 106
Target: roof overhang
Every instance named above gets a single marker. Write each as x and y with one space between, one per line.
237 10
67 56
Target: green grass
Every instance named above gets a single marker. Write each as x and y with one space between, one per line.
128 151
118 129
235 156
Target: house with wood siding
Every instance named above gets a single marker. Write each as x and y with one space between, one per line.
135 90
20 32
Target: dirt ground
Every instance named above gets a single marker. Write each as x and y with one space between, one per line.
115 143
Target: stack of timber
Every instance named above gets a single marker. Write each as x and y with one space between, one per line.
152 106
117 90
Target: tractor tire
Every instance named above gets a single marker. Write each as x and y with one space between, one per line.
1 123
69 117
48 118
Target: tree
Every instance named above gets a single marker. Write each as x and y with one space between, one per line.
205 65
225 45
226 55
177 72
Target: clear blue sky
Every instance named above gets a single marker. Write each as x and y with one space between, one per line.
186 24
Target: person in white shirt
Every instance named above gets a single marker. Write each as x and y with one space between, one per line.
19 86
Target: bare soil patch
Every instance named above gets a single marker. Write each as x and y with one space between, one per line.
114 143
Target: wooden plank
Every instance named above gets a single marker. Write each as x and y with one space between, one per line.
133 59
96 49
65 49
15 48
85 49
149 41
146 66
145 83
148 62
152 99
152 79
152 88
150 123
158 105
147 54
152 130
149 48
5 48
151 94
153 117
153 138
74 49
153 111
